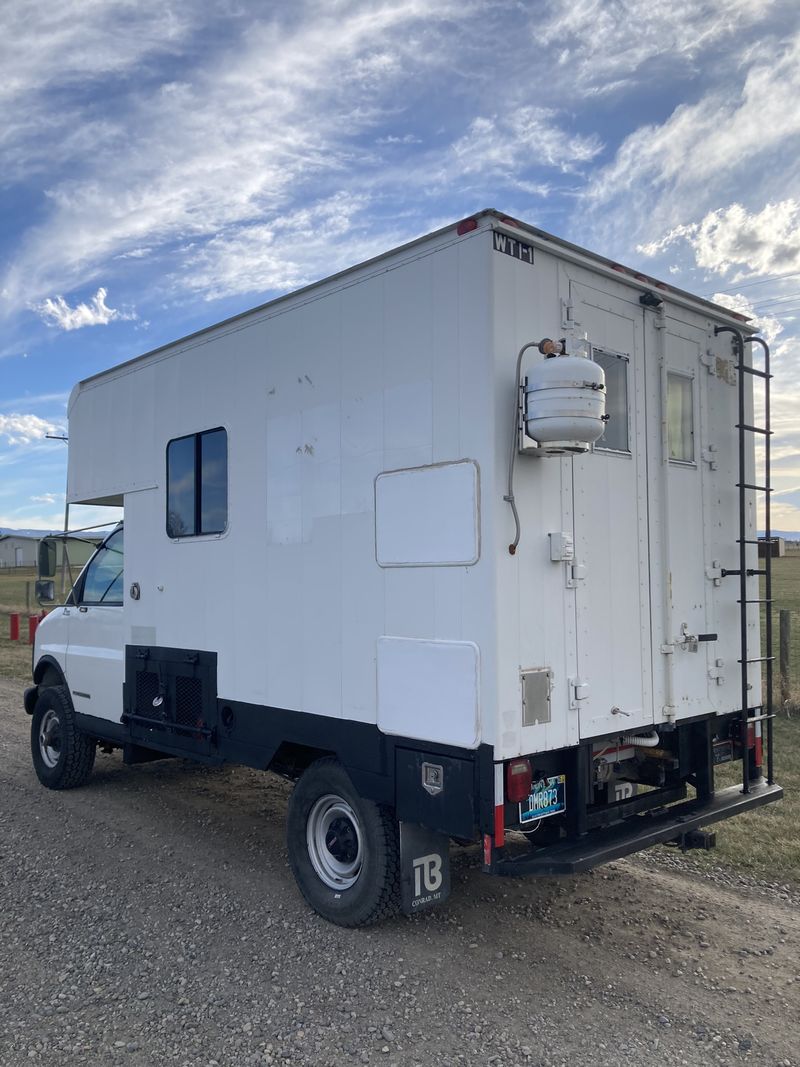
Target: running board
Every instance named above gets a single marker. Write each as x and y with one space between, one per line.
637 833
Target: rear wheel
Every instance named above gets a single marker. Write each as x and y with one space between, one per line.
343 849
63 755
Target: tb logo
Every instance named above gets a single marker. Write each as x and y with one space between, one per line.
427 872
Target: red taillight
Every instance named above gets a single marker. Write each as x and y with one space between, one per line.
519 776
467 226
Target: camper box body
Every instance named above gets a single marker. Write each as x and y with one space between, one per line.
362 598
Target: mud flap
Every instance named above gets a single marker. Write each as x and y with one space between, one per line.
424 868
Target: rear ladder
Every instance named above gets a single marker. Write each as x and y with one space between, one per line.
763 712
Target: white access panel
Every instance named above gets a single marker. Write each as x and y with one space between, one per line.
428 516
429 690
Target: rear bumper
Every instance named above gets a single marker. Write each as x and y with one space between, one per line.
637 833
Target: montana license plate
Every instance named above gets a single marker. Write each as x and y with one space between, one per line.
548 797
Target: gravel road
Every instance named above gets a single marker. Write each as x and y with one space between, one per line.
151 918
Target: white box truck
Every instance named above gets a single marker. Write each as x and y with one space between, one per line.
462 539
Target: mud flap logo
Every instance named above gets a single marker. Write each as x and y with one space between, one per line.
427 874
425 868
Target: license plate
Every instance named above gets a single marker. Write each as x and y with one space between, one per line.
548 797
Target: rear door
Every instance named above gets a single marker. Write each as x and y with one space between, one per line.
613 690
693 514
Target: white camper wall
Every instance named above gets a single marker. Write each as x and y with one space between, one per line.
387 369
647 534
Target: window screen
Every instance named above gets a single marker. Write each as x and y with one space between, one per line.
615 368
680 418
197 484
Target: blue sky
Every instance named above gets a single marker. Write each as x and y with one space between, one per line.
163 167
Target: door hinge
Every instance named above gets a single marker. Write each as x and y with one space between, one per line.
578 691
715 672
710 456
709 361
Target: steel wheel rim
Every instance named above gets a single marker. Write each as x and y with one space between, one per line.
333 836
50 738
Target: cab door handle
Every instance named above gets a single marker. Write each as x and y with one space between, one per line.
83 608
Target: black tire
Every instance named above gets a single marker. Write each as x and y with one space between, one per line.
63 755
344 850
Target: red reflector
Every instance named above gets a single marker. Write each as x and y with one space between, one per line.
518 780
466 226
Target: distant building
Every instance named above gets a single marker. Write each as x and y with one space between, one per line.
21 549
18 550
778 547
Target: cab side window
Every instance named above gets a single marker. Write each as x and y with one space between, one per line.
102 583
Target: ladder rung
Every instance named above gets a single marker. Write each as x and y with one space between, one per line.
749 485
754 429
760 600
754 370
759 659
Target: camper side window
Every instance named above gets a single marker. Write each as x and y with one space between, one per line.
680 418
197 484
615 368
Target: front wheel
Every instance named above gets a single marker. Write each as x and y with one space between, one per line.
343 850
63 755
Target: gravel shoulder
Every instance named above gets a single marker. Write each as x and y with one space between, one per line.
151 917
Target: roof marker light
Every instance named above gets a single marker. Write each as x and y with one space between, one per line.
467 226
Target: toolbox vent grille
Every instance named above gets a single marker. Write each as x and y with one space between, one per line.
147 689
188 701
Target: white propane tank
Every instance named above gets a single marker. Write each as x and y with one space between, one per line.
565 401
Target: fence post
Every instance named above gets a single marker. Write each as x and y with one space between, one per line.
783 658
13 626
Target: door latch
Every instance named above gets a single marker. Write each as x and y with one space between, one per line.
578 691
576 572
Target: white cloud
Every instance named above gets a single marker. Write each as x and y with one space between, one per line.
743 134
48 498
525 136
600 46
755 243
25 429
271 119
57 312
768 326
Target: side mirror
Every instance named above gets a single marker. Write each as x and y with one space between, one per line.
45 590
47 558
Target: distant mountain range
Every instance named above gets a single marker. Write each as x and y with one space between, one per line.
9 531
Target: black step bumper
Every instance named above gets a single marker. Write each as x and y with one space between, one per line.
639 832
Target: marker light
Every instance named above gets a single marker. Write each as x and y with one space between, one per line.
467 226
519 777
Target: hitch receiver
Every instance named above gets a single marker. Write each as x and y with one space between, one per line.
704 839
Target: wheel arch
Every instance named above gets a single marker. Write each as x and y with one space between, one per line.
48 672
